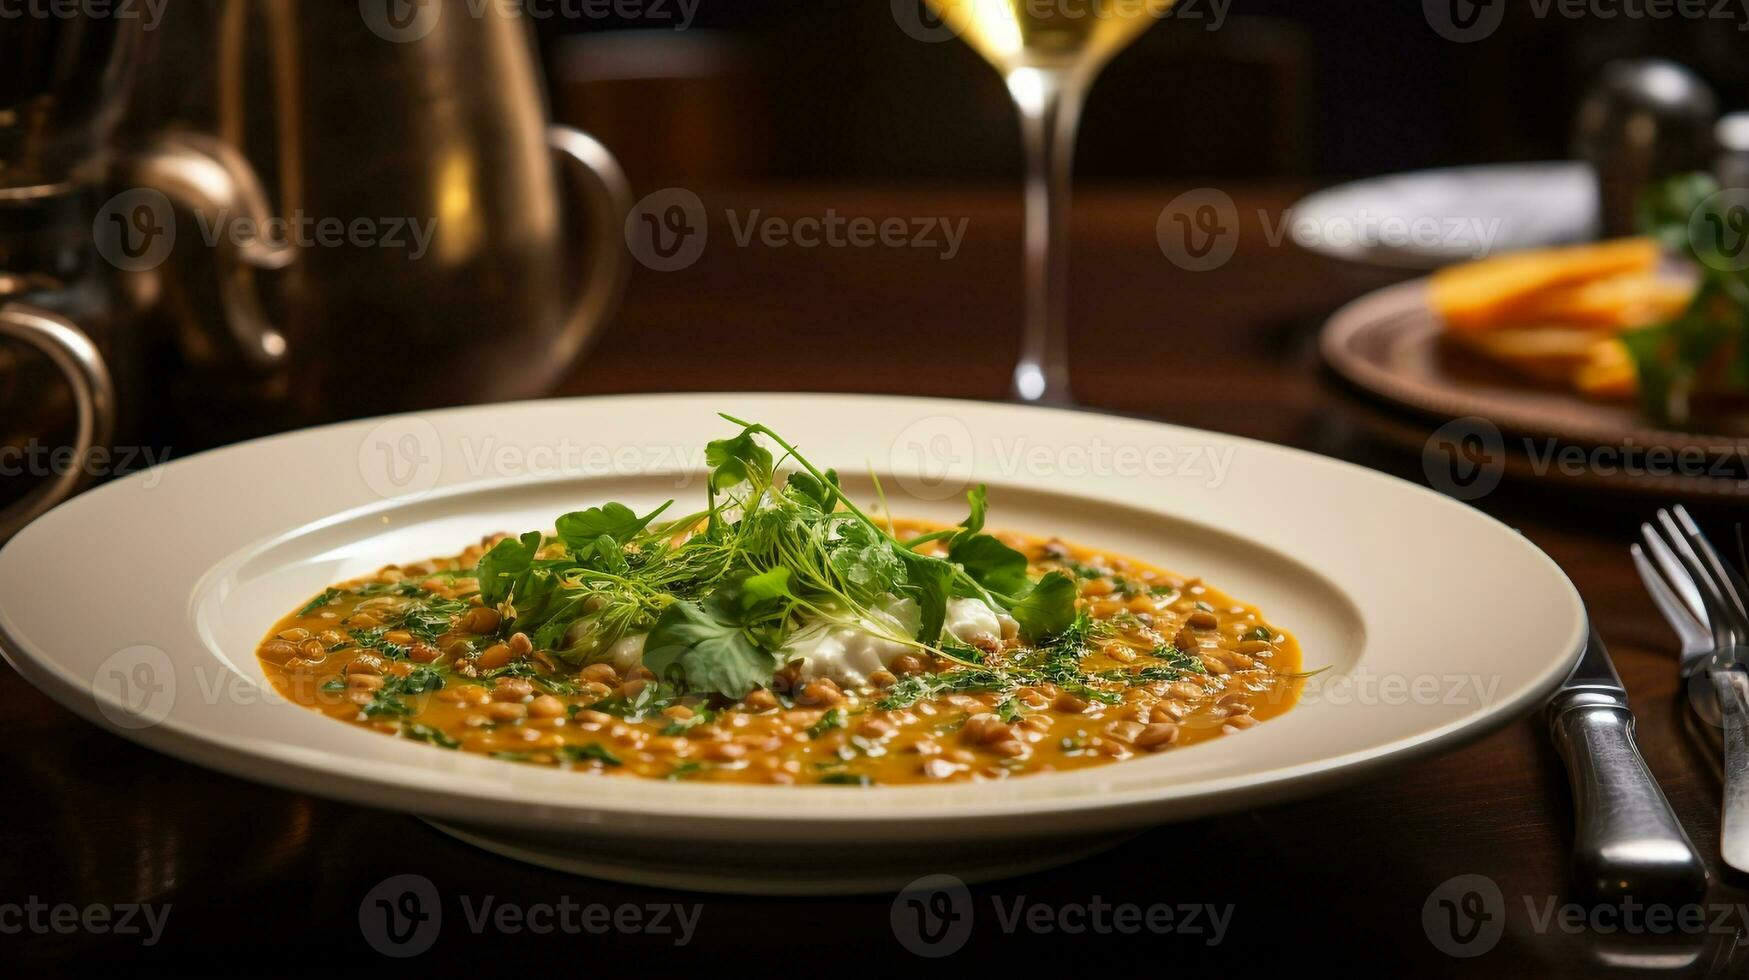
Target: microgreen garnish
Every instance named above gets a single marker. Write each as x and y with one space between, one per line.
718 592
1709 341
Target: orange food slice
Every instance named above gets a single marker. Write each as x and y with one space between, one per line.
1479 295
1608 372
1614 303
1546 353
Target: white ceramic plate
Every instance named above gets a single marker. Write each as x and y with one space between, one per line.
139 605
1433 218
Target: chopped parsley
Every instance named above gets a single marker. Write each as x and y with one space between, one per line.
594 751
388 699
834 718
327 596
426 733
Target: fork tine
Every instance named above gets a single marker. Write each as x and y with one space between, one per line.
1718 608
1730 582
1678 615
1674 574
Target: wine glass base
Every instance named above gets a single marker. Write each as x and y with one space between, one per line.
1034 387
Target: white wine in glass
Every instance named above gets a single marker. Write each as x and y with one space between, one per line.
1049 52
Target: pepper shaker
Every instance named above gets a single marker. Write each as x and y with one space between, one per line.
1643 121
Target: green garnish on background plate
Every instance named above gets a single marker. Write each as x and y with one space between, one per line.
1671 358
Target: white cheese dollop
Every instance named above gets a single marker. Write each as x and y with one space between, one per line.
847 654
968 618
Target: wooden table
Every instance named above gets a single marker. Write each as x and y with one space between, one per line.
257 878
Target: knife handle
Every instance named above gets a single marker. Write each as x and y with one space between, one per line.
1627 841
1734 718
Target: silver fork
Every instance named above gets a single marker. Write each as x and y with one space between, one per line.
1676 597
1695 572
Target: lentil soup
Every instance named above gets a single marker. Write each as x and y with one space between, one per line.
785 636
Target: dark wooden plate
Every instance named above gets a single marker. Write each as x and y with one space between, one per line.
1391 345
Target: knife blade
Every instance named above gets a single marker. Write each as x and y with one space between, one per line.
1627 841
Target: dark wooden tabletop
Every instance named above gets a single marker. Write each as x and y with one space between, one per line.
259 880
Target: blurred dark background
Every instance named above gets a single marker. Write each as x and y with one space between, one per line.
805 90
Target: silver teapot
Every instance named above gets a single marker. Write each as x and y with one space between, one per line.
311 211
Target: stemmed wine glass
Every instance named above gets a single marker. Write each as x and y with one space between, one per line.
1049 52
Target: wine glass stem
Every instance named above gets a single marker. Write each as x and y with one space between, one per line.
1049 101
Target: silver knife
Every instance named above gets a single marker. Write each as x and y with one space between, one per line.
1628 841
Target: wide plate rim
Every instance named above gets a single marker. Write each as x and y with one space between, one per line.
1105 809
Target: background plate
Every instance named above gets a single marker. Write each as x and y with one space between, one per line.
1391 344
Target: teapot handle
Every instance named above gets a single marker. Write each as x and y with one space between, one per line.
204 176
67 347
599 204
